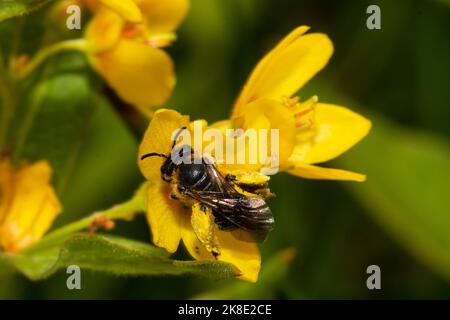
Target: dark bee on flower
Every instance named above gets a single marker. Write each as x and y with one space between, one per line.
196 179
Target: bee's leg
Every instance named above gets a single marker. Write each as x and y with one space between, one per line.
262 190
177 192
213 240
230 178
246 177
202 221
251 182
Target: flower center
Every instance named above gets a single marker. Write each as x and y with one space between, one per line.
131 31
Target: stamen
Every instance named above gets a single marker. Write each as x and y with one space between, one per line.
130 31
304 123
307 106
290 102
162 40
306 110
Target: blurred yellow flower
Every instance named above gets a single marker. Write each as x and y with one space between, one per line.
310 132
28 204
124 41
171 221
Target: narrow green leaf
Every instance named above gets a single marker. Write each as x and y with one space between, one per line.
444 2
431 66
407 188
112 255
408 178
14 8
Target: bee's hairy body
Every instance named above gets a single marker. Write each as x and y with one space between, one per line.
234 205
195 177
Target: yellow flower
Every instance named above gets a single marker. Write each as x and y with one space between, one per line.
171 221
28 204
125 38
309 132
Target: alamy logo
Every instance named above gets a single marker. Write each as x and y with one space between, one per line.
374 20
73 21
374 280
74 280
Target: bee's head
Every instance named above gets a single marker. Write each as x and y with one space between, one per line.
178 156
167 169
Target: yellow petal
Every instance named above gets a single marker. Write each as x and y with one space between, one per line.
103 31
248 157
92 5
270 114
164 216
6 187
291 67
140 74
127 9
244 256
32 207
315 172
158 139
336 129
163 16
222 125
259 69
50 208
287 68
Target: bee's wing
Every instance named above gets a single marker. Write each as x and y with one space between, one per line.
253 215
250 214
219 182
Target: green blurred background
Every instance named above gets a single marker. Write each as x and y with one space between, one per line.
399 219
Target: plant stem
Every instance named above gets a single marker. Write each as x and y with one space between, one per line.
15 42
27 123
123 211
6 114
6 103
42 55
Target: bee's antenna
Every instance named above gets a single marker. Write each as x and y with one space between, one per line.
153 154
177 135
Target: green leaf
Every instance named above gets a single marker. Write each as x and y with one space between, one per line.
105 171
444 2
113 255
430 67
54 123
270 280
84 139
10 9
407 188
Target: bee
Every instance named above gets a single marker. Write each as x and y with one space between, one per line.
200 181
